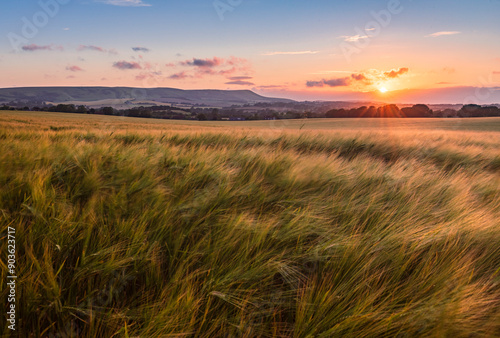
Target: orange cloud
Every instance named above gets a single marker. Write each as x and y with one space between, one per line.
396 73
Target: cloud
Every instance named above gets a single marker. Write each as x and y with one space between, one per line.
91 48
179 76
444 33
353 38
125 3
240 83
149 75
125 65
271 87
338 82
171 64
216 66
395 73
361 79
33 47
496 72
140 49
74 69
203 62
291 53
239 78
342 82
99 49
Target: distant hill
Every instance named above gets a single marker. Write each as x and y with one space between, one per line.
126 96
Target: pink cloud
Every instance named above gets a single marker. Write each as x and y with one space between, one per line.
179 76
205 63
91 48
74 69
149 75
99 49
33 47
240 83
215 66
125 65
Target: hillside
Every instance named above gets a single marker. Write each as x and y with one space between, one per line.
120 95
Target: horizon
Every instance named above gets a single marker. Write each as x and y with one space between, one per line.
388 51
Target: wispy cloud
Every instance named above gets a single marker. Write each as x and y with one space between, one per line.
215 66
203 62
74 69
179 76
125 65
240 83
342 82
33 47
125 3
91 48
239 78
140 49
444 33
155 75
303 52
353 38
271 87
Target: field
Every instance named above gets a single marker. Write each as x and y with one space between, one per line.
310 228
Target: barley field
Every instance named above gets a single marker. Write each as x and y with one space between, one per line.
309 228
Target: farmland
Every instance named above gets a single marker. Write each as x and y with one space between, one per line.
296 228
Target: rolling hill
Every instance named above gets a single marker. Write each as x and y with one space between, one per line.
122 95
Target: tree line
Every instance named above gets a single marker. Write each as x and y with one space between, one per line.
232 113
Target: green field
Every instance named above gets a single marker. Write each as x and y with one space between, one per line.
307 228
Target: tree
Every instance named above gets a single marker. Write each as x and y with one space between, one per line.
390 110
81 109
418 110
107 110
214 116
201 117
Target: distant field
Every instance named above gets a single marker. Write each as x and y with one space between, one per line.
40 119
307 228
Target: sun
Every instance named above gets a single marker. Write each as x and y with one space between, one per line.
383 90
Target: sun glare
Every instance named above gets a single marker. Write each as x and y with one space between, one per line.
383 90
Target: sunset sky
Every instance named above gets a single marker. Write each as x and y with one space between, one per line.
445 51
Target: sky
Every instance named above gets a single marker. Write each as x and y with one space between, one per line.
442 51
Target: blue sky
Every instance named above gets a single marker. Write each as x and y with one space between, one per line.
274 47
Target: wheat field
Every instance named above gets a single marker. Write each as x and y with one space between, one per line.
309 228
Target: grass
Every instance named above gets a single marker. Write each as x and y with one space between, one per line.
133 227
